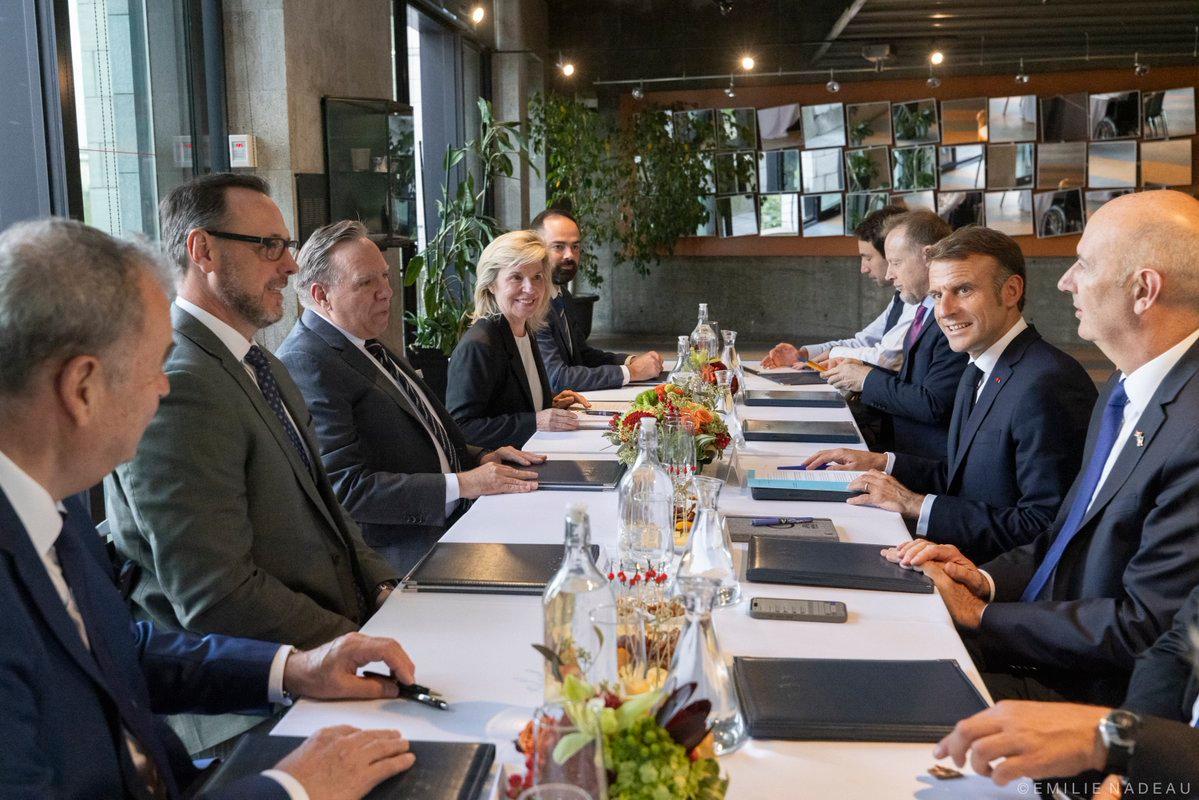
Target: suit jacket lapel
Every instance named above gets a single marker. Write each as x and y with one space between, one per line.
562 333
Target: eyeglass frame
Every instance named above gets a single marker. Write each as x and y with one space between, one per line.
269 242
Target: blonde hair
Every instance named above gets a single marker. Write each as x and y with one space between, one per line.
513 249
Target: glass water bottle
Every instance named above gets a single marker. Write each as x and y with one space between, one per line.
570 597
709 553
732 361
703 338
726 406
645 499
698 660
683 370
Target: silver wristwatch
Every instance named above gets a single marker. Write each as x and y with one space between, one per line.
1118 730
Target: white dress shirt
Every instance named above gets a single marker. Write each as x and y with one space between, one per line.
452 492
42 520
874 344
524 345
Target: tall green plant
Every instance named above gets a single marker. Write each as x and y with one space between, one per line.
445 268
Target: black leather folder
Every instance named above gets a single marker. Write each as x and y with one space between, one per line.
577 474
484 568
845 700
780 430
782 399
661 378
839 565
442 771
741 529
791 378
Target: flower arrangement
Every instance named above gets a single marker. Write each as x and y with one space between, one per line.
648 595
654 746
707 367
664 401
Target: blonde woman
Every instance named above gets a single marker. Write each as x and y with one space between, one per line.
497 389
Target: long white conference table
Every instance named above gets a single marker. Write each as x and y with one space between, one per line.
476 649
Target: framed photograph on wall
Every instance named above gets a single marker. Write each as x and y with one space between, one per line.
1058 213
1010 212
822 215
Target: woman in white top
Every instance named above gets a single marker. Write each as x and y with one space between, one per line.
497 389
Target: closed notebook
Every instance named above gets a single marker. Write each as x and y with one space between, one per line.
812 485
577 474
839 565
792 378
442 770
659 378
741 529
848 700
801 399
778 430
487 568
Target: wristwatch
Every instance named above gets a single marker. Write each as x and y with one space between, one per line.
1118 730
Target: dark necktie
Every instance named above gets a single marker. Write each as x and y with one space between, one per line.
270 390
1109 429
976 375
432 423
917 327
559 304
894 313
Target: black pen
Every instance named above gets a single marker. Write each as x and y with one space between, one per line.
416 692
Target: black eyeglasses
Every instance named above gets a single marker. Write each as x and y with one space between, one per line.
273 246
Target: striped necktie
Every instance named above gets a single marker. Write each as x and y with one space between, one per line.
417 401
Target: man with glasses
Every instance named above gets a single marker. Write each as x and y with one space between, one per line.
226 508
569 361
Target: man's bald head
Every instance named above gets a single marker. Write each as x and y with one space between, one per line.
1156 230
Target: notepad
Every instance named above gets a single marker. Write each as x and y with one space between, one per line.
821 486
488 568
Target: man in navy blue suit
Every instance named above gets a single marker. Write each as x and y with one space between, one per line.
1019 418
917 399
84 331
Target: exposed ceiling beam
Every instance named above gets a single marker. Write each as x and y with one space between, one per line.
846 17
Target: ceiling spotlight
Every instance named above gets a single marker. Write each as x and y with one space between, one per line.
638 93
832 85
1022 76
725 6
476 14
1140 69
729 91
933 82
936 57
747 63
567 68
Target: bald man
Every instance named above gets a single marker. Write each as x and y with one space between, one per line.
1064 616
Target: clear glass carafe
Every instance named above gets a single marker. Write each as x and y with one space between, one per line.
683 371
645 502
698 660
726 406
572 594
709 553
703 338
676 449
732 361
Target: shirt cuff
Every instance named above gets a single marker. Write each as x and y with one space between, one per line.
274 682
452 493
890 463
295 789
815 351
627 376
926 511
991 584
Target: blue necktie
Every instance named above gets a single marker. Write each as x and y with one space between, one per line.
1109 429
270 390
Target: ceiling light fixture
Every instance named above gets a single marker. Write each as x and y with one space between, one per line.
936 57
568 69
1022 76
639 92
477 14
832 85
1141 70
933 81
725 6
747 63
729 90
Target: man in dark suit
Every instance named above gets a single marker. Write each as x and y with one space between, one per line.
1065 615
398 462
226 508
917 399
1019 418
86 330
570 362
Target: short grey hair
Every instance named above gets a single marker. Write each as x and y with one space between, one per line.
316 256
66 290
200 203
514 249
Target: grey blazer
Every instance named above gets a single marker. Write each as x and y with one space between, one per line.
232 532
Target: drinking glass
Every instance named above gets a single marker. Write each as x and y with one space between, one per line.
583 770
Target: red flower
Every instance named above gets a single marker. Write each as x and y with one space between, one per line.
722 440
633 417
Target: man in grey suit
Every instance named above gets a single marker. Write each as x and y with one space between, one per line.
570 362
226 508
397 459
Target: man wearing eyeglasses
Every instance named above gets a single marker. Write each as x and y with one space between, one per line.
226 509
570 362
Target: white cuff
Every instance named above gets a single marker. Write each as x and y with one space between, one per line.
815 351
295 790
990 583
274 683
624 370
926 511
452 493
890 463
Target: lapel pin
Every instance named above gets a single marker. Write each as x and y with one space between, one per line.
1140 438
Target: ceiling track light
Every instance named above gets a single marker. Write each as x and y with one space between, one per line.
729 91
639 91
832 85
477 14
1138 68
747 63
933 81
1022 76
565 66
936 57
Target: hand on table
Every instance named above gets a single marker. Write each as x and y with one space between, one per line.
495 478
842 458
884 491
1034 740
784 355
645 366
557 419
513 455
962 585
848 374
568 397
344 763
330 672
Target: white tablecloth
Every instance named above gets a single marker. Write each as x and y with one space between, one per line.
476 649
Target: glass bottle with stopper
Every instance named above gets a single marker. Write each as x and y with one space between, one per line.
732 361
577 589
645 503
683 371
703 338
726 406
698 660
709 553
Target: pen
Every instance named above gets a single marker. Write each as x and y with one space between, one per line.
416 692
815 366
801 466
596 412
762 522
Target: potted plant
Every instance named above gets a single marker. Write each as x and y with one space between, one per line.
862 170
445 269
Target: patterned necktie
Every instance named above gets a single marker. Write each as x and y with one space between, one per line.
559 304
432 423
915 329
270 390
1109 429
975 377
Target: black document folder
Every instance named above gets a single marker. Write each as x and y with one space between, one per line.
442 771
779 430
784 399
839 565
791 378
741 529
843 700
485 568
660 378
577 474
